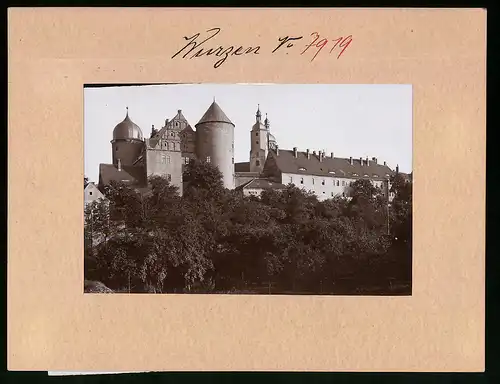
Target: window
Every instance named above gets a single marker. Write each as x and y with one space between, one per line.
186 160
168 159
256 133
90 193
323 192
208 159
291 179
338 183
301 180
257 142
302 169
232 160
257 163
116 149
169 177
313 180
355 174
332 194
323 182
163 159
343 183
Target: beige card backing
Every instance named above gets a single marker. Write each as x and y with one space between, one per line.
52 325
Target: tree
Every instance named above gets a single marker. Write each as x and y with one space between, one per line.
203 180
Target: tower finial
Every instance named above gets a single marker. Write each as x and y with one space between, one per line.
258 114
214 99
126 109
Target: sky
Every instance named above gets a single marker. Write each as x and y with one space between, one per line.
349 120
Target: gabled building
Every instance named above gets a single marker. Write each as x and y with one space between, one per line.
91 193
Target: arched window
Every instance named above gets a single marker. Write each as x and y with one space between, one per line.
257 163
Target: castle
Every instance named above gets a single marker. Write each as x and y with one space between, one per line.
169 149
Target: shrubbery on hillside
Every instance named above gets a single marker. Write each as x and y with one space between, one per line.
214 240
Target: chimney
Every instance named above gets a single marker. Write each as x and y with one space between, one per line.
179 111
361 161
119 165
385 163
331 155
321 154
308 154
277 151
374 160
295 152
166 122
397 168
350 161
367 161
314 153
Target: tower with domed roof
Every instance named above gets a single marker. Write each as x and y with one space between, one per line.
258 143
215 142
127 143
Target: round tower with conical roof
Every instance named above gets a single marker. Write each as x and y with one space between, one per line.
127 143
215 142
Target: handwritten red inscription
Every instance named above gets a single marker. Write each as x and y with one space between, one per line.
340 44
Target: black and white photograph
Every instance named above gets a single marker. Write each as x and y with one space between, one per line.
259 189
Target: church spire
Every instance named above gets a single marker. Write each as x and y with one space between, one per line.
267 122
258 115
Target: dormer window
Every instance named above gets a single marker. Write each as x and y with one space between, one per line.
302 169
355 174
365 175
331 172
375 175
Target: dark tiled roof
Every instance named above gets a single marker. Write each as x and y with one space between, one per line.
129 174
242 167
127 129
262 184
214 114
332 167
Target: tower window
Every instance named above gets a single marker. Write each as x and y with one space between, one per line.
301 180
323 182
208 159
116 149
90 193
257 142
257 163
256 133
